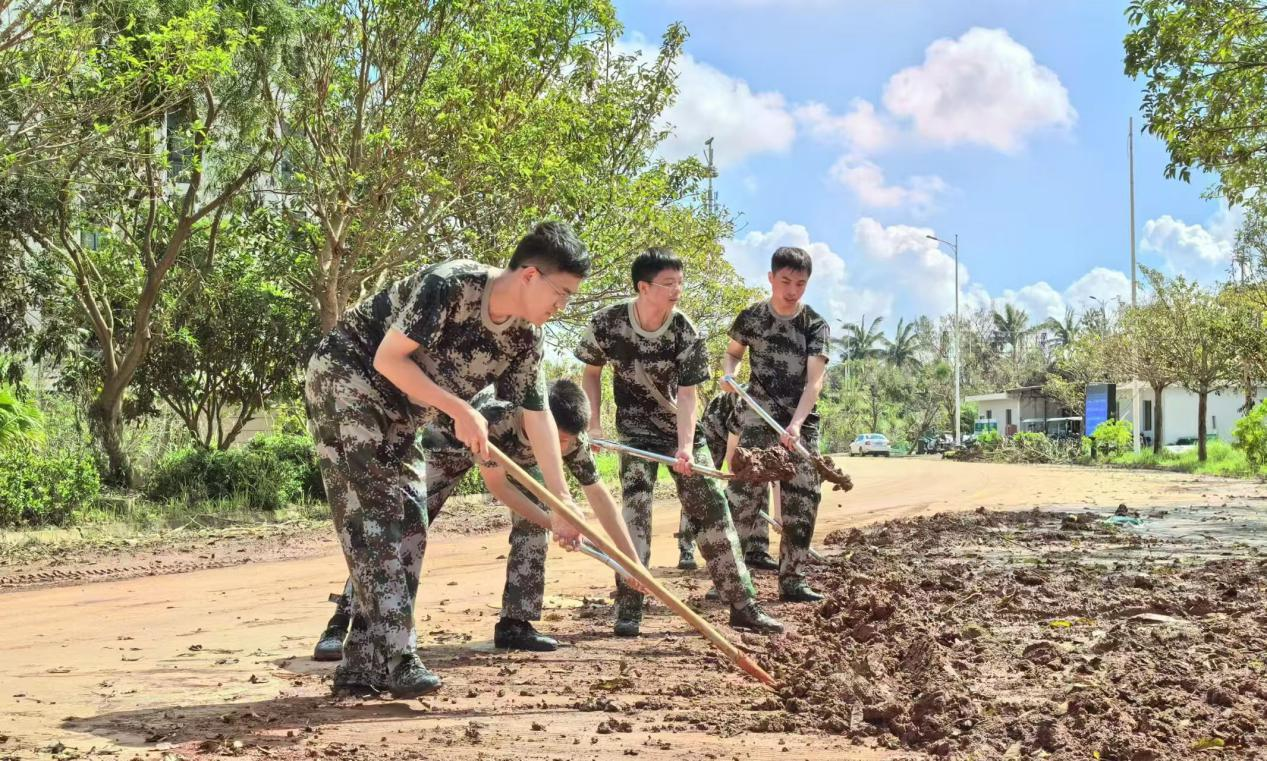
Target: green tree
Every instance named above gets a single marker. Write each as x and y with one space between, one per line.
1201 342
185 135
1204 65
902 351
1144 332
230 336
1011 328
862 340
1065 330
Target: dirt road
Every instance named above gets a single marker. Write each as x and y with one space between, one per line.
215 662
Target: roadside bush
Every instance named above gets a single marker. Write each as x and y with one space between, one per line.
1250 433
44 488
1112 437
258 477
990 440
296 449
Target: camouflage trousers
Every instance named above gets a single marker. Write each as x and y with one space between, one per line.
524 591
368 462
798 509
685 533
704 504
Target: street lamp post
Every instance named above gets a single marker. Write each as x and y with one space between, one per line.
958 417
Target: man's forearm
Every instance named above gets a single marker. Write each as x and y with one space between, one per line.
687 402
513 498
544 437
592 384
405 375
610 518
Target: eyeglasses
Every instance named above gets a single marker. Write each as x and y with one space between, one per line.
679 285
562 295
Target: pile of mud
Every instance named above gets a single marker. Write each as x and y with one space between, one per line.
762 465
832 474
1030 635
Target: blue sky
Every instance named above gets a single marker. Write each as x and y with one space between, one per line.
855 128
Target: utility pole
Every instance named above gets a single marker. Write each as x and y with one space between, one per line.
710 198
1135 401
958 414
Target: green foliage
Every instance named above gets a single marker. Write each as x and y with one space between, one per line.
298 451
1113 436
989 441
41 487
1222 459
20 421
1204 66
259 477
1251 436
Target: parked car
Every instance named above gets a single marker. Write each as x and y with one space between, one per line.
870 443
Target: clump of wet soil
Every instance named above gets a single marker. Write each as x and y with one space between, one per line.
762 465
1025 635
829 472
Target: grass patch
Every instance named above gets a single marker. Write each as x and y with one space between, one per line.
1222 459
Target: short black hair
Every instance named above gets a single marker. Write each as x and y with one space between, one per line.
791 258
552 247
570 407
652 262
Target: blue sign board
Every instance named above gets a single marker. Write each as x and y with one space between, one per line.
1101 406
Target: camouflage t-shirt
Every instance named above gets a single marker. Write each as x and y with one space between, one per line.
720 418
444 308
505 431
648 367
779 349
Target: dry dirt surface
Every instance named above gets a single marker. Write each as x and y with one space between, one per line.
214 663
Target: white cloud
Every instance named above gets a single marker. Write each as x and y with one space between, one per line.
861 130
1200 251
830 291
1039 300
1108 286
711 103
984 88
904 256
866 180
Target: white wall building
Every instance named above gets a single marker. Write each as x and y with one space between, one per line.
1026 409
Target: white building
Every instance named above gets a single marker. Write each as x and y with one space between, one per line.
1027 409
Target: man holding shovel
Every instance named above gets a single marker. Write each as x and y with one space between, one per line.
788 342
409 357
448 463
658 359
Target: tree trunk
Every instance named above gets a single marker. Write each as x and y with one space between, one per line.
1157 429
106 421
1201 404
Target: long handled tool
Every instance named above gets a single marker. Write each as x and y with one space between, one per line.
826 469
631 567
778 526
615 446
701 469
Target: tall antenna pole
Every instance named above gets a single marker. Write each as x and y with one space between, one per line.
711 198
1135 402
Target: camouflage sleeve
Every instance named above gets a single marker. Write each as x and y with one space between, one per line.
590 349
524 384
740 330
692 359
580 463
819 339
426 312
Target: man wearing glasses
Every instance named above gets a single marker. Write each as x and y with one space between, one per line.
411 356
658 358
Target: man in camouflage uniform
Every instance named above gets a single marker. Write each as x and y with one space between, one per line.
658 359
719 425
788 342
447 465
406 358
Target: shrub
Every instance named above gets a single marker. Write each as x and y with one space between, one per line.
44 488
1112 437
299 451
990 440
258 477
1250 433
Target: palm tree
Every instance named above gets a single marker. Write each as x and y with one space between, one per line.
1010 328
862 341
1065 330
901 349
